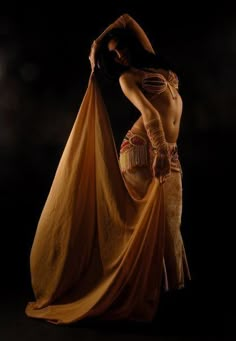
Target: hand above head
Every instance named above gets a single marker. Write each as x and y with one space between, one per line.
124 21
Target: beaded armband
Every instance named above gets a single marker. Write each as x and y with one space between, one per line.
161 165
156 136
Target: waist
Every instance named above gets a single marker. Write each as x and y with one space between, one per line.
136 151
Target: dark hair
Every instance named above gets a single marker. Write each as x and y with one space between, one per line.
140 57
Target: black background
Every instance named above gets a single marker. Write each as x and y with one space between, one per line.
44 70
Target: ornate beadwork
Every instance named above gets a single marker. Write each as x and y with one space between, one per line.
133 151
136 151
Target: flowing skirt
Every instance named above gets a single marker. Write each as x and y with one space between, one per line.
99 250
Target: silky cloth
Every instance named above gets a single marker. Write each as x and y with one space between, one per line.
98 249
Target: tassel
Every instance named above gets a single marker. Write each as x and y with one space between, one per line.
134 157
133 152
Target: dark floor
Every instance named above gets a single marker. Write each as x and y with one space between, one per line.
188 314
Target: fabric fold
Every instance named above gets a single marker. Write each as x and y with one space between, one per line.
98 249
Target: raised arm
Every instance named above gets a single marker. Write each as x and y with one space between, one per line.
127 22
153 124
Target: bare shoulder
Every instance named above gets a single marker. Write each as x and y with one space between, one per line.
129 79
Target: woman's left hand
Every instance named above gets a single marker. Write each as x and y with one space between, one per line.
161 166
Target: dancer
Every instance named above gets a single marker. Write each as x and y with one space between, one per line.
108 241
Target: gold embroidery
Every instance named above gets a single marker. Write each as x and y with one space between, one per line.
133 152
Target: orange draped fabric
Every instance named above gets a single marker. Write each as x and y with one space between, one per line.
98 250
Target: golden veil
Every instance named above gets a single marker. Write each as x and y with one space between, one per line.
97 249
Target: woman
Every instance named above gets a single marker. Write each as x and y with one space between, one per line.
108 240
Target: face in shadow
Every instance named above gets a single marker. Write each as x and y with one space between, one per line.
119 52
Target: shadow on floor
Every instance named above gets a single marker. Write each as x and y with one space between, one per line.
187 313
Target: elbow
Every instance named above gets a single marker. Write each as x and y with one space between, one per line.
126 17
148 114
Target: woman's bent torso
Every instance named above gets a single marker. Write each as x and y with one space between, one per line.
136 154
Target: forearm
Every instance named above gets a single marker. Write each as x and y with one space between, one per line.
153 125
156 134
139 33
118 23
127 22
161 165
